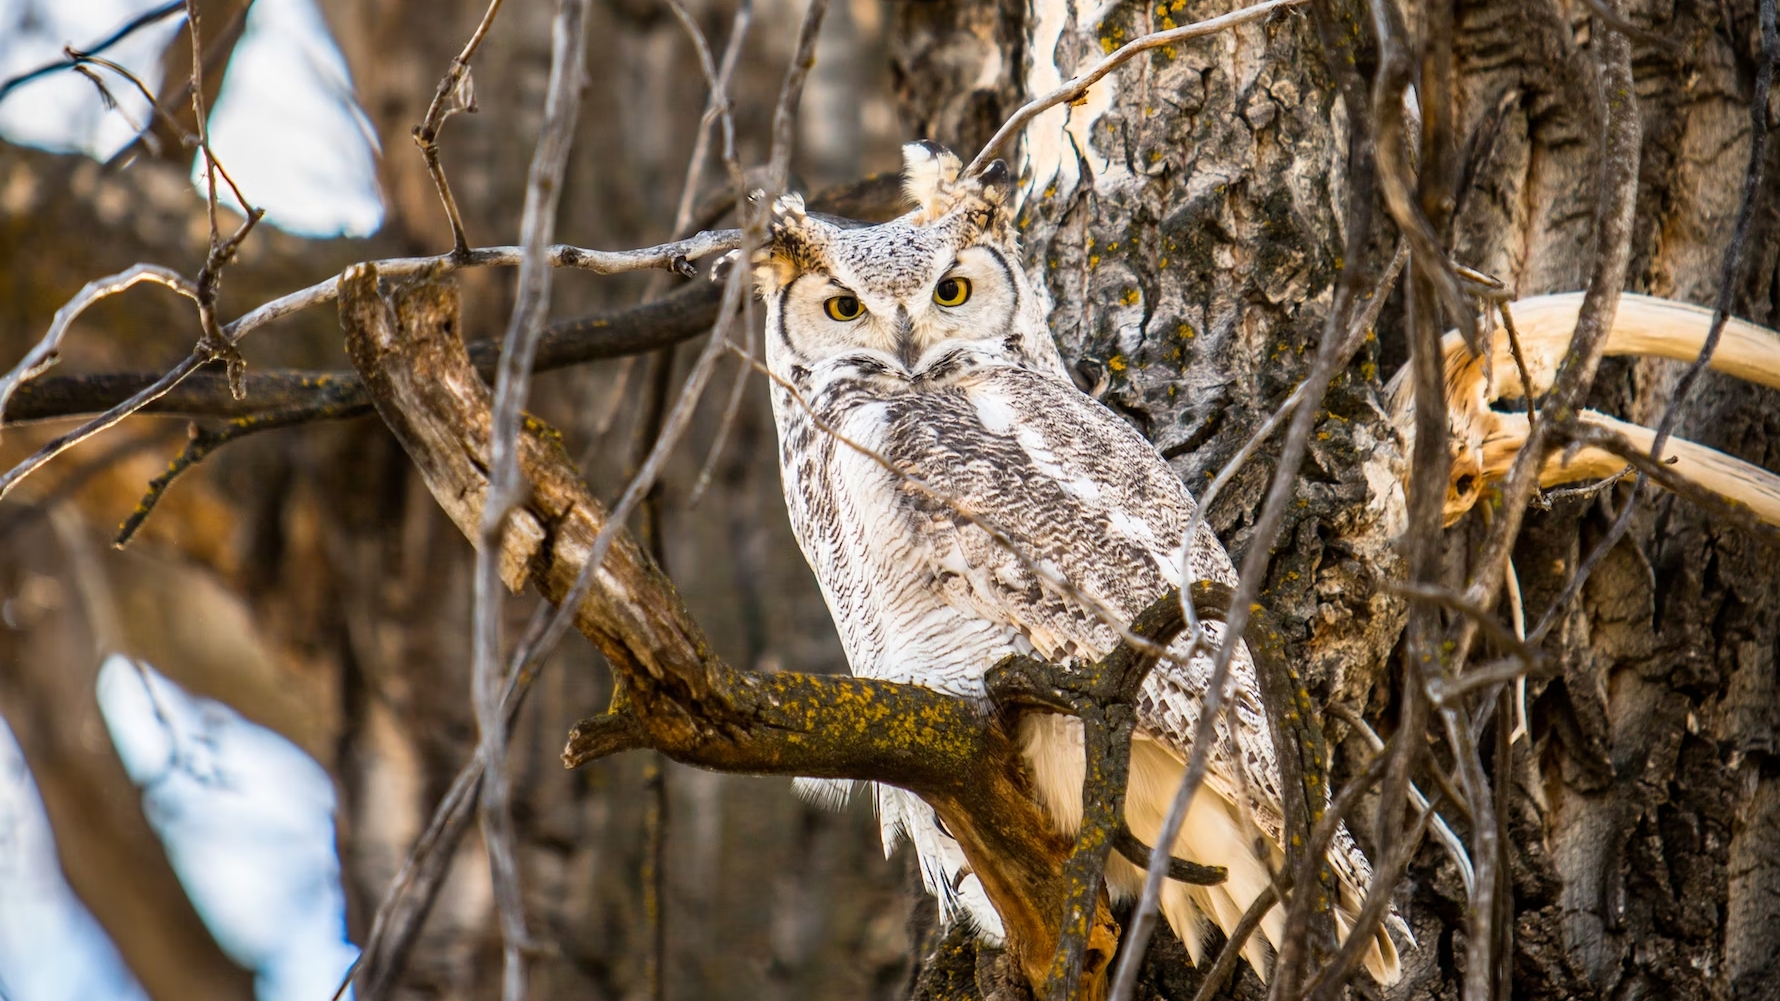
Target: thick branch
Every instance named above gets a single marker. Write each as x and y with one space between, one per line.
674 694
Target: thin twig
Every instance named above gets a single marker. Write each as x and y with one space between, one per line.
152 16
47 351
512 387
1593 435
1378 901
1245 929
221 45
1454 846
1078 85
684 406
1450 599
409 897
1301 906
456 92
1520 361
203 291
717 109
1431 460
672 255
80 60
1497 672
213 344
646 475
803 57
108 419
717 104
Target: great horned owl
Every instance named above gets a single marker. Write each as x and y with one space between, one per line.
921 340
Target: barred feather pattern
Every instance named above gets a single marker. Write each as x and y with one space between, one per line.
983 428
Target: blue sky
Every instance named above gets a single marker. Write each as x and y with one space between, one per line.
285 125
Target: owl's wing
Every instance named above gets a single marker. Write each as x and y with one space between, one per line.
1077 491
1074 490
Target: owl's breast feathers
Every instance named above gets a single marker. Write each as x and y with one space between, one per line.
922 592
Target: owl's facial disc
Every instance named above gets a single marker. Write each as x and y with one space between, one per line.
969 296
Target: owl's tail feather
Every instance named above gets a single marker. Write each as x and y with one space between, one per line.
1215 833
829 794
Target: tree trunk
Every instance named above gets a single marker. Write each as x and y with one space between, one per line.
1190 238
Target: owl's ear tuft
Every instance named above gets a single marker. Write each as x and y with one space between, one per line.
795 243
788 210
996 182
929 172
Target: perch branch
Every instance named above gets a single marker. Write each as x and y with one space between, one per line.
690 705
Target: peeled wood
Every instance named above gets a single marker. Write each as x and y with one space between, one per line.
1485 440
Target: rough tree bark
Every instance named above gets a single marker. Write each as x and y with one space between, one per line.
1190 239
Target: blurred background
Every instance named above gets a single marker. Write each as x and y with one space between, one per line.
219 743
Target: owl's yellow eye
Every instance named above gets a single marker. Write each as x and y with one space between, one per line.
843 308
952 292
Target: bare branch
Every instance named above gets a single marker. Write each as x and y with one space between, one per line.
47 351
409 897
1595 435
456 92
1225 964
803 57
1302 906
109 418
154 15
1385 878
1450 599
673 255
543 191
1454 847
717 106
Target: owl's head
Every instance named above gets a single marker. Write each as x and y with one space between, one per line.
894 298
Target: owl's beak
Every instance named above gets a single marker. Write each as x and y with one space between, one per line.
906 351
